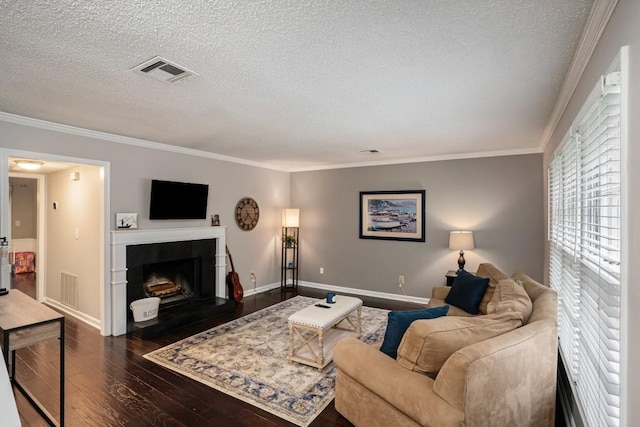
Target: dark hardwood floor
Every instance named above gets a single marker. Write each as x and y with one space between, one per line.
26 282
109 383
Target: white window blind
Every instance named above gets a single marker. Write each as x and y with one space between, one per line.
584 233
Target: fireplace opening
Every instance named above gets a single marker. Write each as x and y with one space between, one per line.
182 274
172 281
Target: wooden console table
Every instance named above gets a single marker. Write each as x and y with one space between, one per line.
24 322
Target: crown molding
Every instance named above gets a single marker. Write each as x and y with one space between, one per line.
105 136
601 12
477 155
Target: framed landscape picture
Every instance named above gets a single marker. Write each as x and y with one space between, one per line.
392 215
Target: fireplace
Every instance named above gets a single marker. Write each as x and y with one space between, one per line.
185 267
181 274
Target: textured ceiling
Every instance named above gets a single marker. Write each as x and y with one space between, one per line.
296 84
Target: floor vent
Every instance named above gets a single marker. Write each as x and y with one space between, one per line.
69 288
166 71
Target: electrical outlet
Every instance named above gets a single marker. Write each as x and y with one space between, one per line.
252 277
400 280
321 270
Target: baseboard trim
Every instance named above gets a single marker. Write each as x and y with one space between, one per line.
91 321
260 289
363 292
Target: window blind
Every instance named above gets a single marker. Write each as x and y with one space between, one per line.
584 220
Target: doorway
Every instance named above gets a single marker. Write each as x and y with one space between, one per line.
71 233
23 239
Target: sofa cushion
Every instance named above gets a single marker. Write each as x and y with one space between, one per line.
453 310
494 275
399 321
509 296
428 344
467 292
533 288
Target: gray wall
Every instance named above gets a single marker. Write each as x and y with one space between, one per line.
133 167
621 30
24 208
498 198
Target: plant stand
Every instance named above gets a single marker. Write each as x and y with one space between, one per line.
290 259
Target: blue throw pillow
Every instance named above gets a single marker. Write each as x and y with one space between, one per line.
399 322
467 292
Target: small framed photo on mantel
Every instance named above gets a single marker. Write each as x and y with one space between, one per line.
126 221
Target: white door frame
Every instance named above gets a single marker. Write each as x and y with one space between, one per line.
105 254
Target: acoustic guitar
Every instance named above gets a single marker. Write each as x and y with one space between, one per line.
233 281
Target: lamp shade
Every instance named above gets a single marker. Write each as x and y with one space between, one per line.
461 240
291 217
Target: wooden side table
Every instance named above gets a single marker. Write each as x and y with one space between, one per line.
24 322
451 277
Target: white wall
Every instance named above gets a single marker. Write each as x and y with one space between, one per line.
621 30
24 245
73 235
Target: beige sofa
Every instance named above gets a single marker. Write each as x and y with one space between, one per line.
507 380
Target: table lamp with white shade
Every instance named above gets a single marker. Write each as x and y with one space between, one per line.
461 241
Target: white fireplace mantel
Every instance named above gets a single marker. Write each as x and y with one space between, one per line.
121 239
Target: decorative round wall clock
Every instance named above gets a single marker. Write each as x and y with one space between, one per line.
247 213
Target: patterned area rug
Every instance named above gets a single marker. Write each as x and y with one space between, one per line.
247 359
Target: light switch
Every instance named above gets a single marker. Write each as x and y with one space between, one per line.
17 223
77 234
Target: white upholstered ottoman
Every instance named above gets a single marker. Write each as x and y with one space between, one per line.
324 324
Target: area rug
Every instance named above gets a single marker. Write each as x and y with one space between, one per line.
247 359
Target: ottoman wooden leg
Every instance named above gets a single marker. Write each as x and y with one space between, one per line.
321 349
290 343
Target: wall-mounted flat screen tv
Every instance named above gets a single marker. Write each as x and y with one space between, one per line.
178 200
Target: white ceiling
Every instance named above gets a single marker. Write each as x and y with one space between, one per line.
300 84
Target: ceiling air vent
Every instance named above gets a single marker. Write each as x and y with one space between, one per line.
161 69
